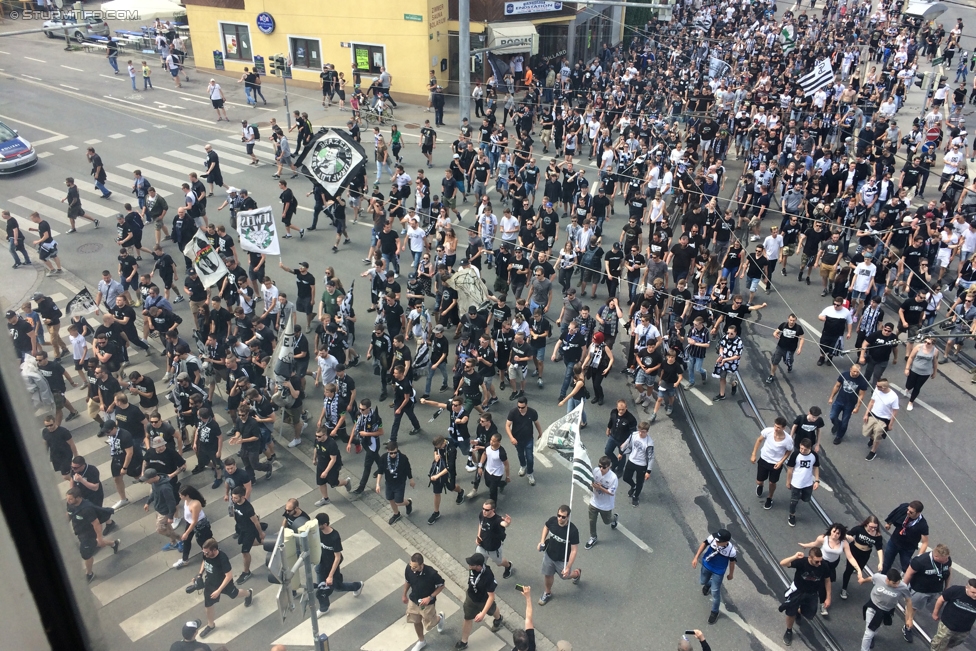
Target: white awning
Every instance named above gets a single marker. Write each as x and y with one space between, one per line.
148 10
927 11
513 37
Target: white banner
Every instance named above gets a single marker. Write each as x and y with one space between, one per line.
258 231
205 259
531 7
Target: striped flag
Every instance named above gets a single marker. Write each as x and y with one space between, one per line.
786 38
582 468
821 76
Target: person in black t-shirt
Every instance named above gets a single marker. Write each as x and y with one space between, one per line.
248 527
60 446
421 586
956 608
328 571
189 641
810 579
87 522
215 571
479 598
559 543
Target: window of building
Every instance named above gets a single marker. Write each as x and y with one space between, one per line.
368 58
305 53
236 41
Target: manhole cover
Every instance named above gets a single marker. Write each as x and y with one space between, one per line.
411 125
91 247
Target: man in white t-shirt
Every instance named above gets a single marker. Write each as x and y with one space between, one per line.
602 498
879 417
802 476
216 95
776 449
417 238
863 283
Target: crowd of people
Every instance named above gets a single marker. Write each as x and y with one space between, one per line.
657 122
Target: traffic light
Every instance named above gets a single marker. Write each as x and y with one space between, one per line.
290 551
923 80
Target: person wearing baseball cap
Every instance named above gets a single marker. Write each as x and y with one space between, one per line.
479 599
189 641
163 500
717 555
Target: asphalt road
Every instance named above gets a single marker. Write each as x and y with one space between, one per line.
638 591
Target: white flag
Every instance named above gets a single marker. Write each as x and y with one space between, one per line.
258 231
821 77
206 260
582 468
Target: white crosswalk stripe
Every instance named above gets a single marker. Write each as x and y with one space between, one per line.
259 144
156 177
22 218
91 208
141 573
171 166
401 634
51 214
224 156
126 185
115 201
190 158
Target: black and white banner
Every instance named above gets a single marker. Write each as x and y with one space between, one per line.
258 231
205 259
332 160
82 303
821 77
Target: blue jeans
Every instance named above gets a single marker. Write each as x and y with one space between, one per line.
146 83
566 379
442 369
416 258
840 416
572 404
133 80
609 450
247 95
892 551
14 248
695 365
101 188
379 170
257 94
114 62
392 262
714 580
730 274
525 455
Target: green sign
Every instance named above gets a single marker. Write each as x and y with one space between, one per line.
218 60
414 17
362 58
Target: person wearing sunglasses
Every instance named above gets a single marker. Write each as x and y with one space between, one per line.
559 544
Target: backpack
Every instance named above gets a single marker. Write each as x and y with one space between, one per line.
257 134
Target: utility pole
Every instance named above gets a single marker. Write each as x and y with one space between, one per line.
321 640
464 60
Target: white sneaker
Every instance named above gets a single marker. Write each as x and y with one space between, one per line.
118 505
522 471
421 644
176 521
471 493
323 502
440 622
531 479
180 563
294 443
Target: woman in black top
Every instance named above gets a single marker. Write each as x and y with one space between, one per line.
732 262
862 539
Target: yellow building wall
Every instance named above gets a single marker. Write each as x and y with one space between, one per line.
410 46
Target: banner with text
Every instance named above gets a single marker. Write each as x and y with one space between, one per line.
258 231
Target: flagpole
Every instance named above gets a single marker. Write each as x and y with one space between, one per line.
572 486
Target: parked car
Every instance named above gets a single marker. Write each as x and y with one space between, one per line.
79 30
16 153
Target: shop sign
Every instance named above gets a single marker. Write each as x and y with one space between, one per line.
259 65
414 17
266 23
531 7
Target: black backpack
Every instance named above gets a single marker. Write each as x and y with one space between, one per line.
257 134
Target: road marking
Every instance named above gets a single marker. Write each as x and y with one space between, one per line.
93 141
748 628
119 100
810 327
226 169
633 538
183 95
158 564
240 619
69 148
261 108
67 86
47 141
160 126
98 209
60 136
43 210
346 609
70 68
138 131
167 165
2 52
164 105
701 396
33 59
71 288
401 635
116 136
33 78
112 77
824 486
153 176
922 403
45 154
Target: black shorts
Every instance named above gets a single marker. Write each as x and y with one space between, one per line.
444 483
230 590
167 281
286 219
395 492
304 305
766 470
47 253
87 547
332 479
133 471
426 149
217 103
246 540
216 179
62 465
804 603
340 226
472 608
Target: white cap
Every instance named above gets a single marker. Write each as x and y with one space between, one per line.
232 189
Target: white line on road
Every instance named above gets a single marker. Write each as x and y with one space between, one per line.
748 628
33 59
922 403
70 68
68 286
158 110
827 488
633 538
810 327
32 126
93 141
116 136
29 77
46 141
2 52
701 396
541 458
67 86
112 77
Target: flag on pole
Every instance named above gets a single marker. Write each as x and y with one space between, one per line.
82 303
283 358
821 76
562 432
786 37
210 267
257 231
582 467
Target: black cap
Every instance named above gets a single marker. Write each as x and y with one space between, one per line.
475 559
722 535
11 314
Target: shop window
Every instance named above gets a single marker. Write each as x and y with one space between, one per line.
369 58
237 41
305 53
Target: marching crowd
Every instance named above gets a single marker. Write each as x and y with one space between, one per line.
827 174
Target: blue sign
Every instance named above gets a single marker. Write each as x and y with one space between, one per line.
266 23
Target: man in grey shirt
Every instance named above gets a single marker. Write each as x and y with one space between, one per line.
888 590
656 268
571 309
108 289
540 292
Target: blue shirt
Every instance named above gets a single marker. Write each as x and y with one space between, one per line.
715 558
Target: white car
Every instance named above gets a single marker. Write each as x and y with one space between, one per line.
16 153
79 30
